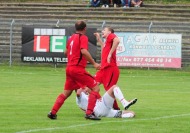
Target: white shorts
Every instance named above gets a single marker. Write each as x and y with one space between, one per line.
104 107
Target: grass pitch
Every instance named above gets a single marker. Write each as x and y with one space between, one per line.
28 93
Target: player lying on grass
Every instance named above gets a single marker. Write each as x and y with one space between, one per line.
104 105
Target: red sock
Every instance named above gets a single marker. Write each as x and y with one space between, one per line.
58 103
115 105
92 101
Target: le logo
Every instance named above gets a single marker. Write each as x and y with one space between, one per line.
49 40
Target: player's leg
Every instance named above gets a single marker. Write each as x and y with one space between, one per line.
93 96
127 114
115 105
120 114
70 85
115 91
82 98
110 78
85 79
108 99
58 103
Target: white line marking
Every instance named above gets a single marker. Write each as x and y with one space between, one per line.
95 123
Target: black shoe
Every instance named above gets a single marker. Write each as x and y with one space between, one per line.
131 103
52 116
92 117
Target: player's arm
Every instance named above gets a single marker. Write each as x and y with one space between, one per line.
113 48
89 58
98 38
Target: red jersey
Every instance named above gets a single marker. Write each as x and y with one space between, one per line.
105 51
74 45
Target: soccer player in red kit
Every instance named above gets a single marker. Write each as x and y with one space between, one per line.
76 75
109 73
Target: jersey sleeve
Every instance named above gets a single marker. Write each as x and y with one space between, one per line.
111 37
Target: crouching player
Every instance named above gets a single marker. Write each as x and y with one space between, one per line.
104 105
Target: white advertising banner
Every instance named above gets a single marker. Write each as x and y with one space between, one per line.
149 50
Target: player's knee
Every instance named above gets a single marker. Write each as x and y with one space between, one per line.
112 87
67 93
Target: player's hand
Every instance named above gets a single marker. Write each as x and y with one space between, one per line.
97 36
97 66
109 58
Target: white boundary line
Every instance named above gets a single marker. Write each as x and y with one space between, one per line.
95 123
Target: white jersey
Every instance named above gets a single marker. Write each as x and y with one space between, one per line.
103 107
82 101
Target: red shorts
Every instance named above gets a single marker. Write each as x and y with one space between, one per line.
77 77
108 76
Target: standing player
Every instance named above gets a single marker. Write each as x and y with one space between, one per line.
76 75
109 73
104 105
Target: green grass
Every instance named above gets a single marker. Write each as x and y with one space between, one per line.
28 93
